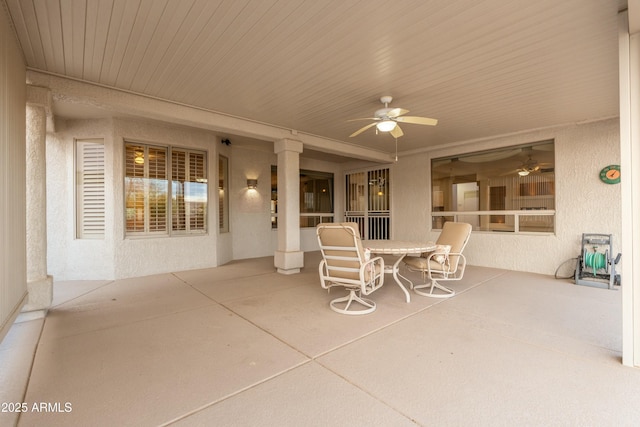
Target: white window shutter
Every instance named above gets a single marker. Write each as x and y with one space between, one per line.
90 189
198 203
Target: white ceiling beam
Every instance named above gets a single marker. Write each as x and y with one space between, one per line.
123 103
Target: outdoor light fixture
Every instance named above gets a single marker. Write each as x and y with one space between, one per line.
252 184
386 125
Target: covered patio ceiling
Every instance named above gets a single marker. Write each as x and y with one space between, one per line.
482 68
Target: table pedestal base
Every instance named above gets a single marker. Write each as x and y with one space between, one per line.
395 271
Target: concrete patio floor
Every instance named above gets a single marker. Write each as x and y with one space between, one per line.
241 345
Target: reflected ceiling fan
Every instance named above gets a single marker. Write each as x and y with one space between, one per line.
530 166
386 120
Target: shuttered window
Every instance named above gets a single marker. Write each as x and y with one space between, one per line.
146 189
157 191
189 191
165 185
90 189
134 188
179 175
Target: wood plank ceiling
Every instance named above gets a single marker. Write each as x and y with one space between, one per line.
481 67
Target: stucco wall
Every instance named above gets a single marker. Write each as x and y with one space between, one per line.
250 226
138 257
117 256
250 209
68 257
583 203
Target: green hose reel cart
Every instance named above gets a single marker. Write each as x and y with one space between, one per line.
596 266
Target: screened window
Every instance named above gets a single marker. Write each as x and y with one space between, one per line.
505 190
165 190
367 197
90 189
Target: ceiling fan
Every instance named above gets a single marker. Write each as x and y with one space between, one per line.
386 120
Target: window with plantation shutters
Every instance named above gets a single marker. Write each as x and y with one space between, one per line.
165 190
146 189
158 186
134 189
179 175
197 192
189 191
90 189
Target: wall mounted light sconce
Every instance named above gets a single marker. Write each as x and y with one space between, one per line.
252 184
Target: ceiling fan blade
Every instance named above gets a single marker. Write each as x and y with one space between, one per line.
396 132
359 131
397 112
364 118
418 120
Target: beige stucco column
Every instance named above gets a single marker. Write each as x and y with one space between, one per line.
39 283
288 259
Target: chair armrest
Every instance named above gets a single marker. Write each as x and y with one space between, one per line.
377 258
371 264
446 267
372 274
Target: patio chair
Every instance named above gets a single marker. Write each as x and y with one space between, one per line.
445 263
344 263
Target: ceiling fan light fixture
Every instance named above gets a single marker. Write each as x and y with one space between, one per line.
386 126
385 120
523 172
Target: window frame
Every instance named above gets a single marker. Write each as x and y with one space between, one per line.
529 198
191 182
308 219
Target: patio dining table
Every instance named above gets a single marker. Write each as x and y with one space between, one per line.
400 249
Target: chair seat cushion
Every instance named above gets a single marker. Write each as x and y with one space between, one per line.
420 263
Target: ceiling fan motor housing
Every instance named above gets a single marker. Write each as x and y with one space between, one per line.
382 113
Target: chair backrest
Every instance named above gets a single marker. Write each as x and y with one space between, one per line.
455 234
341 249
